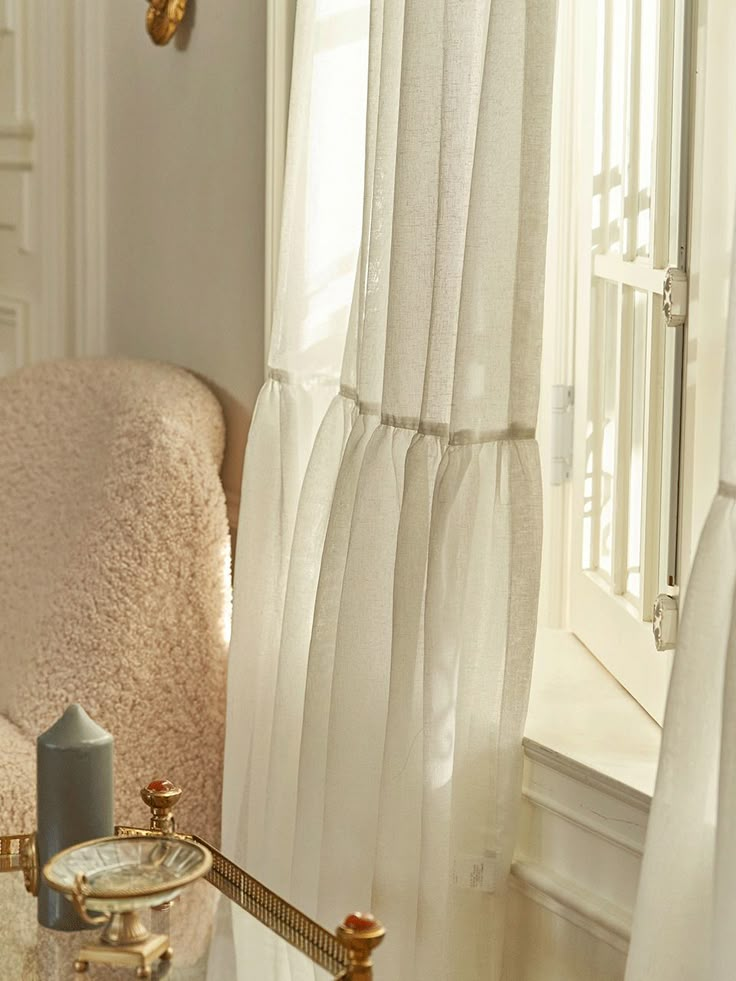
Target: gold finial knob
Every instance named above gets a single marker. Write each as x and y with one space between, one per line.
161 796
360 933
162 19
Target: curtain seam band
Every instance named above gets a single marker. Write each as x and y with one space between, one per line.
286 377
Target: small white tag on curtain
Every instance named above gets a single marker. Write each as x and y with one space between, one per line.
475 872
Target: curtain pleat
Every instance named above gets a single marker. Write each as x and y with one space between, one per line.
319 245
284 414
320 672
306 554
396 876
683 921
398 677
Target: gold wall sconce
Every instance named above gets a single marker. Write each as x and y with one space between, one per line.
162 19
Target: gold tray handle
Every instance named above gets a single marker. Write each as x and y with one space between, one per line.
80 892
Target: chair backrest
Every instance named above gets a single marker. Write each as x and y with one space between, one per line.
115 568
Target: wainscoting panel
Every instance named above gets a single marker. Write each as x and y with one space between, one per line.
543 945
575 873
13 334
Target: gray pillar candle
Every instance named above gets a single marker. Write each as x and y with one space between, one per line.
74 763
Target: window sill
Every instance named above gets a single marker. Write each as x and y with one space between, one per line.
590 762
581 718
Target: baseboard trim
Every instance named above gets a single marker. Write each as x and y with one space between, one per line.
583 909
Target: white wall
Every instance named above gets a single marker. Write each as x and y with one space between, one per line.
184 195
132 191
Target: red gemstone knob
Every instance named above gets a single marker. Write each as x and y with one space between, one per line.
360 922
160 786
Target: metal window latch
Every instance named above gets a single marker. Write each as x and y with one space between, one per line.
561 433
664 622
674 297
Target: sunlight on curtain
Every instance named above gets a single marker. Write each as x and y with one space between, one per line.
385 774
683 922
320 238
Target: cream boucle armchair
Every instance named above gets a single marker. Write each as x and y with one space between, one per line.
114 577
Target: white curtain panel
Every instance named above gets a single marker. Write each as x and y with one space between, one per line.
379 688
684 919
319 243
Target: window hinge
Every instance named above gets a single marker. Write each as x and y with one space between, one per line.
674 297
664 622
563 399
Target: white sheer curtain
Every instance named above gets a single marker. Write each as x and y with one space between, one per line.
684 918
377 699
320 238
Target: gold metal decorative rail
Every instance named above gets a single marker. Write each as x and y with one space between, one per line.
346 954
321 946
18 854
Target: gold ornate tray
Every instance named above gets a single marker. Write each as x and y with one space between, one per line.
120 875
117 877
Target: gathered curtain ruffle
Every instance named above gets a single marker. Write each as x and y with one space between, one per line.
690 849
689 854
287 414
381 767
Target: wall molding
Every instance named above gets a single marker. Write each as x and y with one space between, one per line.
66 228
89 333
584 909
280 21
580 844
51 328
52 177
16 144
612 788
582 819
13 333
17 131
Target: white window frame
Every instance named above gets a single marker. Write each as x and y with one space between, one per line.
616 630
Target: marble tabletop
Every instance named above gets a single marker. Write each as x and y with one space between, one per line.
200 925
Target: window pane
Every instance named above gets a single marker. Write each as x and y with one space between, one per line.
616 63
608 428
598 138
647 97
636 462
593 428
